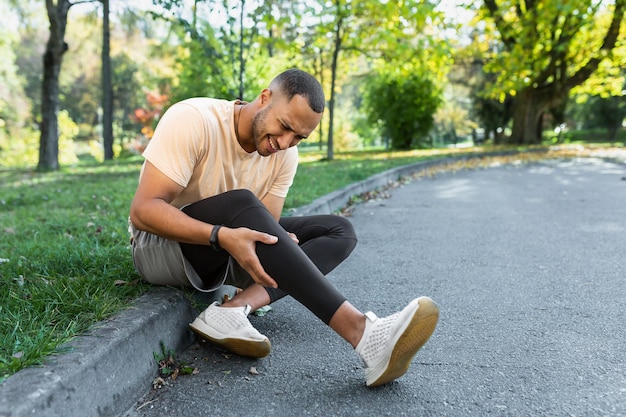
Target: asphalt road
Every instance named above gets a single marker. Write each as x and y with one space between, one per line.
527 264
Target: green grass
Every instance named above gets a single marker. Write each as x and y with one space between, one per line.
65 258
63 245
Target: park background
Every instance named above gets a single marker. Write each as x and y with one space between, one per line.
84 83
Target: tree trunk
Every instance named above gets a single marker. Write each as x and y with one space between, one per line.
52 59
319 71
333 79
529 107
107 87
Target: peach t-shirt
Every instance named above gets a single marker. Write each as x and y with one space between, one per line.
195 145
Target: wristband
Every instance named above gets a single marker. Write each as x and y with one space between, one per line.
213 240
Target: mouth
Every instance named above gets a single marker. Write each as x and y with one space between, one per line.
273 147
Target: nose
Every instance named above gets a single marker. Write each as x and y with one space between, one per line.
286 141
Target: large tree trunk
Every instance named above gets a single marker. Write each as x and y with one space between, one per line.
529 106
52 58
107 87
527 113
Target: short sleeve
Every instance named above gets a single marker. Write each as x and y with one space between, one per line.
178 143
285 173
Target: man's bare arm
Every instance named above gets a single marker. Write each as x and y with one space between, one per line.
151 211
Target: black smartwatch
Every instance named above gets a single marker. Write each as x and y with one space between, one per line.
213 240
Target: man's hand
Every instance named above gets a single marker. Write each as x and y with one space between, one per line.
294 237
240 243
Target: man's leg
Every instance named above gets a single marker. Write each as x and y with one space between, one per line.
386 345
284 261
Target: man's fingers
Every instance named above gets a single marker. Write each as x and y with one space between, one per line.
267 238
262 278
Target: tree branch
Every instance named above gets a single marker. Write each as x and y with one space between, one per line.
85 1
502 26
607 45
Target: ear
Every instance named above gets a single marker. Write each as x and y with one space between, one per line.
265 97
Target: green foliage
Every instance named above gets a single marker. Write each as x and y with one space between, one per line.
493 114
602 113
544 41
127 95
200 66
545 50
21 149
13 105
404 105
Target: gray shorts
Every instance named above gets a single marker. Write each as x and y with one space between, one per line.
160 261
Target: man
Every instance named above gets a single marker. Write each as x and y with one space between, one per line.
207 213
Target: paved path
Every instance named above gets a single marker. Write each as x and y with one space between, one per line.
528 265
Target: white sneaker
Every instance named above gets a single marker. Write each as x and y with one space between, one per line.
388 344
229 328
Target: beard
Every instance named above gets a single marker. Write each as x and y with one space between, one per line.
258 135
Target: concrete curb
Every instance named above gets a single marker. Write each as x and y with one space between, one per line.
340 198
107 368
100 375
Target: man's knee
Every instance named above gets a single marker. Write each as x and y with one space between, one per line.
242 199
344 228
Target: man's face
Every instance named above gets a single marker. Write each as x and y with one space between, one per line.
282 124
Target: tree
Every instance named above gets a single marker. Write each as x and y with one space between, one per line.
598 112
550 47
52 60
404 104
339 33
382 33
494 114
107 87
210 59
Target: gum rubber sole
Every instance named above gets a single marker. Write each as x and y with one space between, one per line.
416 334
247 348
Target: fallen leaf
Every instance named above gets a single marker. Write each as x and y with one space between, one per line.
158 383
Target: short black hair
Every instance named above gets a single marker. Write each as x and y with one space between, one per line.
297 82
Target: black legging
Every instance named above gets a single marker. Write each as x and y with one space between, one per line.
299 269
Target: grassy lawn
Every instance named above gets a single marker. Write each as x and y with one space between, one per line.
64 250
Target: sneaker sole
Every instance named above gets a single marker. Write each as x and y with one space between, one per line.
242 347
415 335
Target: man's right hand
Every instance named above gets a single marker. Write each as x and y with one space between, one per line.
240 243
